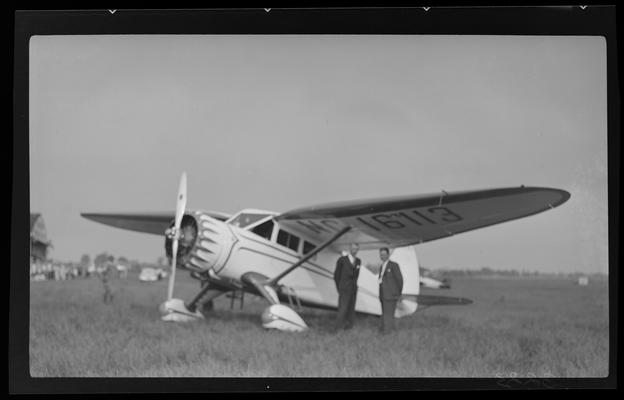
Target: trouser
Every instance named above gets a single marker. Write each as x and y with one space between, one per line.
387 315
108 294
108 297
346 308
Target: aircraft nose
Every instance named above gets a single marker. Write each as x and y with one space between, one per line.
212 245
204 243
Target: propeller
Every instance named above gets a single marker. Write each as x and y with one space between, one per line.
180 206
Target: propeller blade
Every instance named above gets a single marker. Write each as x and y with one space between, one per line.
180 207
181 202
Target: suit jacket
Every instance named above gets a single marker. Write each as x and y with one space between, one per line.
346 274
391 283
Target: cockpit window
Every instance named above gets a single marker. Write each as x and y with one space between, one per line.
246 219
264 230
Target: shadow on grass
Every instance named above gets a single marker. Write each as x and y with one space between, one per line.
321 321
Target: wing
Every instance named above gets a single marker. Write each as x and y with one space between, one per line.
154 223
409 220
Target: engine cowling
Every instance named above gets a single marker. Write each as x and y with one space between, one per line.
204 243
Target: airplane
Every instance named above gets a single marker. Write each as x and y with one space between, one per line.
428 281
289 258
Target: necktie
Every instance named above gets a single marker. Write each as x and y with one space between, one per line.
381 271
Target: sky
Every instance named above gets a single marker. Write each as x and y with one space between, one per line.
279 122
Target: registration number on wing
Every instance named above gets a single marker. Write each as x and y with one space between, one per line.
390 220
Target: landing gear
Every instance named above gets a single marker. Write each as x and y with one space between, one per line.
204 299
283 318
276 316
175 310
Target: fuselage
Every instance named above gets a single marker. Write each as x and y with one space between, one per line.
264 247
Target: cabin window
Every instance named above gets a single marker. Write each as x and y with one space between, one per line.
282 238
264 230
307 247
293 243
286 239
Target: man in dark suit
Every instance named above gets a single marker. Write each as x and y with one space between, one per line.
346 276
390 288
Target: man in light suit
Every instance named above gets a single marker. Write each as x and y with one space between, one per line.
346 276
390 288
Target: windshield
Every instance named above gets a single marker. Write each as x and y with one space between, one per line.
246 219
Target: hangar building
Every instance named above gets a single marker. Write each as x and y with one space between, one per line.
39 242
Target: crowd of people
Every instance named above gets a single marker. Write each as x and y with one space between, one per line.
51 271
55 271
104 271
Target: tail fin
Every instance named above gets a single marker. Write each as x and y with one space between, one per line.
408 263
425 300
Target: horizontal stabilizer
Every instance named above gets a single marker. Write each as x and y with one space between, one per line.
431 300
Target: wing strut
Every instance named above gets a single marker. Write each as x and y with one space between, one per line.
310 255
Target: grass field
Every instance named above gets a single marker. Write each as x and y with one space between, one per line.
525 327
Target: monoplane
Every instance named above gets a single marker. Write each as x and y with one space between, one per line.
289 258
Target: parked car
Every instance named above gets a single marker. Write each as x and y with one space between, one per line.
149 274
